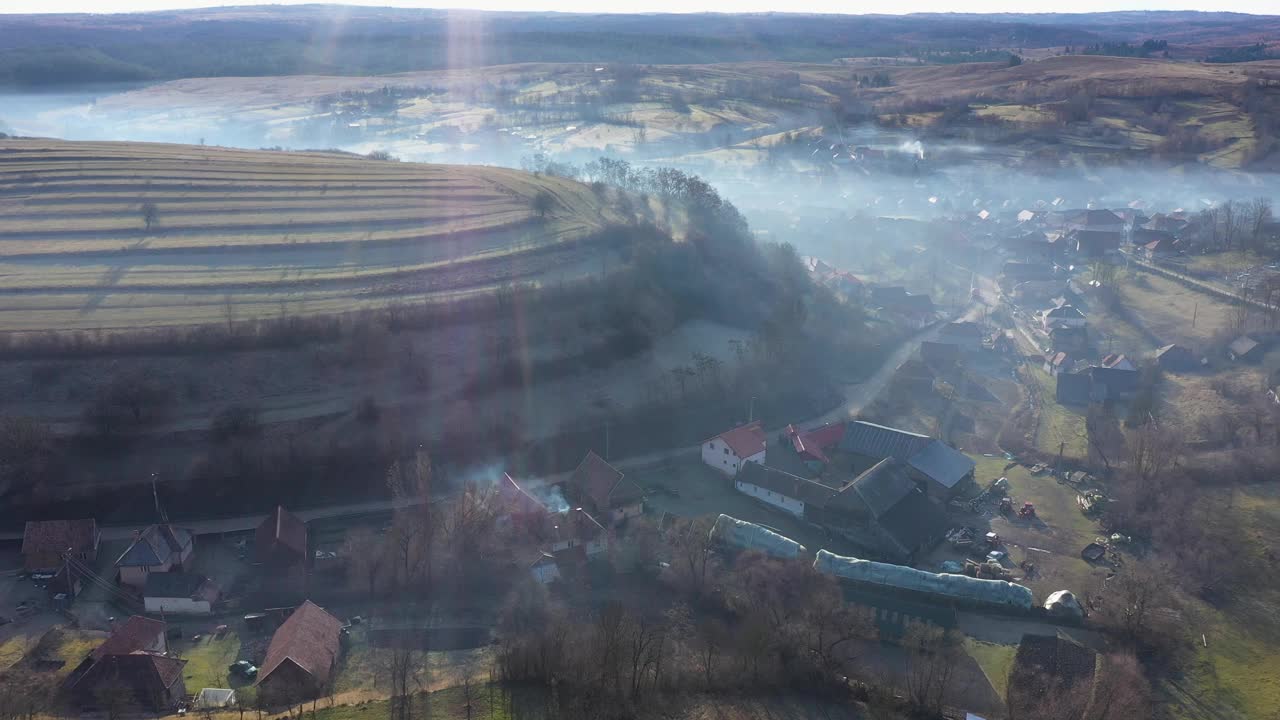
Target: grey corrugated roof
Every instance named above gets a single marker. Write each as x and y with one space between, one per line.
882 486
173 584
1243 345
784 483
878 441
914 521
943 464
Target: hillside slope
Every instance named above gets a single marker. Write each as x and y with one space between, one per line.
118 235
1064 109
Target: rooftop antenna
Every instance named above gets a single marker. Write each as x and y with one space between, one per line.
164 518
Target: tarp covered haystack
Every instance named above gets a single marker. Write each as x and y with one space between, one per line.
749 536
1064 604
962 587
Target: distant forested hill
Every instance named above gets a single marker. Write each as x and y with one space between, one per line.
57 50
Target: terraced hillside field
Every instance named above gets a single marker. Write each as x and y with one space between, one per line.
240 234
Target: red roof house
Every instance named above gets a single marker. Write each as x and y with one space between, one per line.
605 490
302 655
132 659
728 451
281 539
44 542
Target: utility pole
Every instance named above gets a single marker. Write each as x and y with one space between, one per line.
156 497
1194 312
751 409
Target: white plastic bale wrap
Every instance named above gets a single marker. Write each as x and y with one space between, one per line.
749 536
998 592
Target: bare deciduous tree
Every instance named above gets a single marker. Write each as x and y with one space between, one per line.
933 656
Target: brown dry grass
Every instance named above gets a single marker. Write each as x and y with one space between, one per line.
259 233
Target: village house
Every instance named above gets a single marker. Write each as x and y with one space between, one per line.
1113 383
1069 339
516 507
577 529
1116 361
1097 220
895 303
280 542
604 490
1063 316
179 593
1176 358
544 568
1073 389
1056 363
158 549
730 450
1093 244
964 334
46 543
302 655
1160 249
133 659
282 550
780 489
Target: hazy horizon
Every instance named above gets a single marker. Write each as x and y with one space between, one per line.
880 7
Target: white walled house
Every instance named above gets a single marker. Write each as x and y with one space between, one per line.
158 549
780 489
730 450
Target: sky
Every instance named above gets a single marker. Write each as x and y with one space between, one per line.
729 6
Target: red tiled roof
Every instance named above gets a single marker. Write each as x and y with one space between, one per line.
814 443
309 638
134 635
745 440
1111 360
595 480
281 530
149 676
58 536
515 500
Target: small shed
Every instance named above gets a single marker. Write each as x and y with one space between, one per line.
1244 348
1176 358
214 699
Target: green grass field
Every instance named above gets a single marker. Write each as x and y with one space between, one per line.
995 660
122 235
1060 428
207 661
